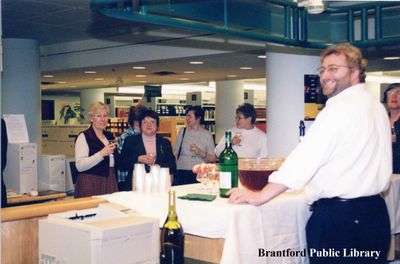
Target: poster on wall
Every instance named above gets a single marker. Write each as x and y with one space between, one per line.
314 100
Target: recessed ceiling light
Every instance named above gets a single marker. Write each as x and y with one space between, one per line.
90 72
189 72
99 79
184 79
48 76
391 58
141 76
231 76
261 56
61 82
246 68
139 67
196 62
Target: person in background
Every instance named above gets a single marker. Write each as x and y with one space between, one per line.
195 145
94 149
392 99
124 182
343 163
248 141
147 148
4 146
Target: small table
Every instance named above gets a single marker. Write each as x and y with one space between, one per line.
42 197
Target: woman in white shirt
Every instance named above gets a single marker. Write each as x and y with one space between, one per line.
248 141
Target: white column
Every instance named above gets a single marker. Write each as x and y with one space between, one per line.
228 96
89 96
285 99
21 84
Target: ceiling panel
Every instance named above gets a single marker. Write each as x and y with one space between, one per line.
60 21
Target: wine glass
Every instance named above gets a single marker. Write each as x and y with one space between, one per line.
203 178
214 178
153 157
239 135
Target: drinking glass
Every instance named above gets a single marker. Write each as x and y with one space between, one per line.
239 135
203 178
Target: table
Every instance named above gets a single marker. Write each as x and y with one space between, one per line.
392 199
27 199
274 226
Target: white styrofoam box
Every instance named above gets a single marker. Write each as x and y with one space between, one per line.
105 236
51 173
20 174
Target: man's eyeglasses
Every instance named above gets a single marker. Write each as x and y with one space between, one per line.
330 69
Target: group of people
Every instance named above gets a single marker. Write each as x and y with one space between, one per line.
343 163
106 166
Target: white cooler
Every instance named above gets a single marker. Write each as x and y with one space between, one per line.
100 235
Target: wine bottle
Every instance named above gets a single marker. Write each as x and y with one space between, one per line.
228 167
302 128
172 236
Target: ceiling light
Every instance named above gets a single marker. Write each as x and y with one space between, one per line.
139 67
189 72
391 58
62 82
141 76
261 56
48 76
128 89
196 62
90 72
313 6
246 68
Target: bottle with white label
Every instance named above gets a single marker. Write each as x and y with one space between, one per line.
228 167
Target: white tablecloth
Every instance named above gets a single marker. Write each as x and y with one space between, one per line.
277 225
392 198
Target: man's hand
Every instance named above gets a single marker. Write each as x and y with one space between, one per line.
244 196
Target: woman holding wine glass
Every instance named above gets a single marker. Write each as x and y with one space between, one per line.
94 149
248 141
147 148
194 145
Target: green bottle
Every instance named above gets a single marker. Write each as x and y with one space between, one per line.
228 167
172 236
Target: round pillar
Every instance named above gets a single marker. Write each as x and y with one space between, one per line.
228 96
21 84
285 99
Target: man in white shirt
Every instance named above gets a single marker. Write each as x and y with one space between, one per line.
248 141
343 163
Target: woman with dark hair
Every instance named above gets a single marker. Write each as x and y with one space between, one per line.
94 149
392 99
147 148
194 145
125 182
248 141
